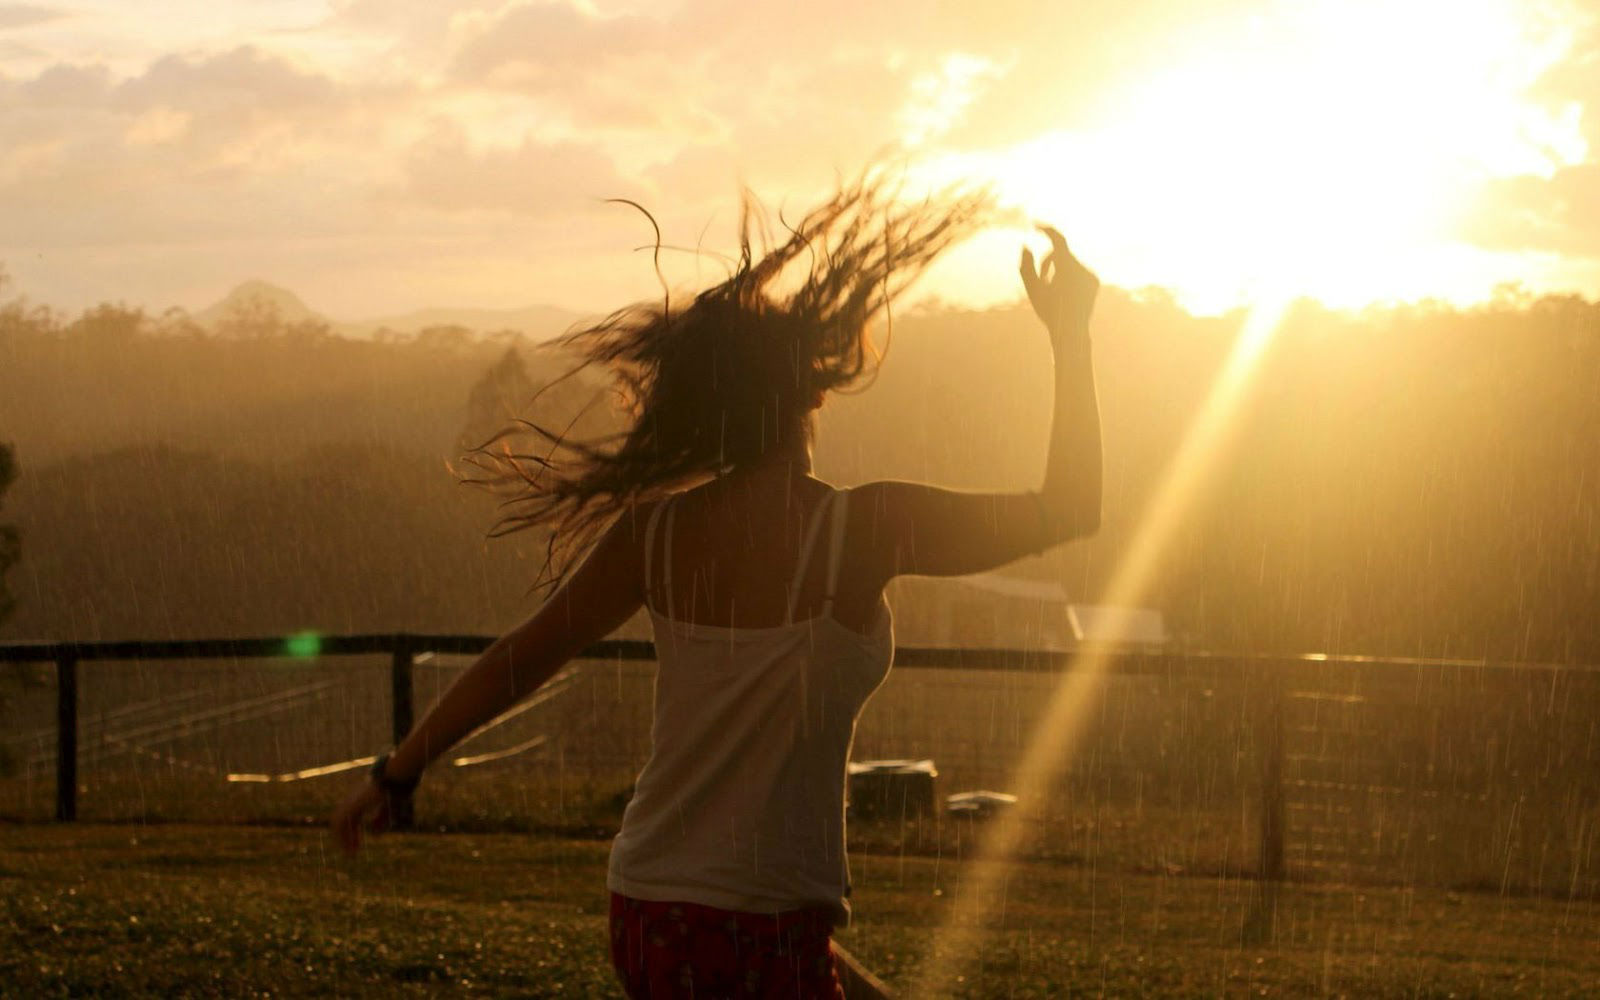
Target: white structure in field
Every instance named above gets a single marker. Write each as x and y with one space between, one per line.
1124 626
992 609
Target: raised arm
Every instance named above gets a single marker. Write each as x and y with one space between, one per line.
916 528
598 597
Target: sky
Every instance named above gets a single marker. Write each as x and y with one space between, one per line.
377 156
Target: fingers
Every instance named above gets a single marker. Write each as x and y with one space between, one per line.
1058 243
1035 276
1030 274
1067 264
1058 249
345 832
364 810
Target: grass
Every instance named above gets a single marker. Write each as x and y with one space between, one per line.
121 910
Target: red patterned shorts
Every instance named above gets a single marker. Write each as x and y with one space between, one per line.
666 950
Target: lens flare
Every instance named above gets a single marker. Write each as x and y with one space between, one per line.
1053 739
303 645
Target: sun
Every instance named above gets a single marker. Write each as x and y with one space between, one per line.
1324 149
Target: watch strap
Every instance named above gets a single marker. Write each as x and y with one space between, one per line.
393 786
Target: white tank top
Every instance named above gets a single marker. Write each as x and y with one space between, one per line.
741 804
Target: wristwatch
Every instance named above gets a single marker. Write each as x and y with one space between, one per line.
392 786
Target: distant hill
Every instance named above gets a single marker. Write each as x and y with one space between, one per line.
261 298
256 298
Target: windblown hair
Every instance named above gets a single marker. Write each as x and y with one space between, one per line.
713 385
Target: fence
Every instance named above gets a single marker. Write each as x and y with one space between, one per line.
1450 772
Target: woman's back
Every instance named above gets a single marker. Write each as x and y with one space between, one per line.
745 550
741 805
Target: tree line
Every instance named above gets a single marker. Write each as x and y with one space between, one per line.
1407 480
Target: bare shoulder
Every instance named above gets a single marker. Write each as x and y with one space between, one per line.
882 491
635 520
620 547
881 524
630 531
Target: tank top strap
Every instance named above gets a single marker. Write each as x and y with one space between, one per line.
650 548
666 554
841 507
813 529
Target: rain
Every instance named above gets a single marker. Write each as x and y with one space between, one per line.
1313 710
1368 619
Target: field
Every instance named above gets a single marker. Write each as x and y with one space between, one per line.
1442 832
178 910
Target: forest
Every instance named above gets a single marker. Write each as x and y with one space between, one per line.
1407 480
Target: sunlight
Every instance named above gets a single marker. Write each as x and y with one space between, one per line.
1050 747
1328 149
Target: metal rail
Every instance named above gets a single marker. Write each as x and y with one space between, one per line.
403 647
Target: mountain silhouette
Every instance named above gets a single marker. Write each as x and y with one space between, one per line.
257 297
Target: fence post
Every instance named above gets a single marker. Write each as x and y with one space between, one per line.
1272 800
1261 919
67 737
403 707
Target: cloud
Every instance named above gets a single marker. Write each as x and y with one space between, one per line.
531 178
398 129
525 113
717 92
193 148
66 86
780 96
781 74
241 80
619 73
1576 78
533 43
1559 214
26 15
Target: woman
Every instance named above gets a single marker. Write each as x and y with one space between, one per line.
764 585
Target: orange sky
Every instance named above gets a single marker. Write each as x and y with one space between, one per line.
380 155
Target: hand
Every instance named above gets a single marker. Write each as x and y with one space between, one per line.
366 808
1062 292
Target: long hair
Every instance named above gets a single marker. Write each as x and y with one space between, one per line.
714 385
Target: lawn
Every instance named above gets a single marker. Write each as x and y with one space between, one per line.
170 910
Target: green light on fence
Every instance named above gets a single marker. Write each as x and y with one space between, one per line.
303 644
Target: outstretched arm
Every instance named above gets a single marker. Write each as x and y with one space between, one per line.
1064 300
927 530
599 596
